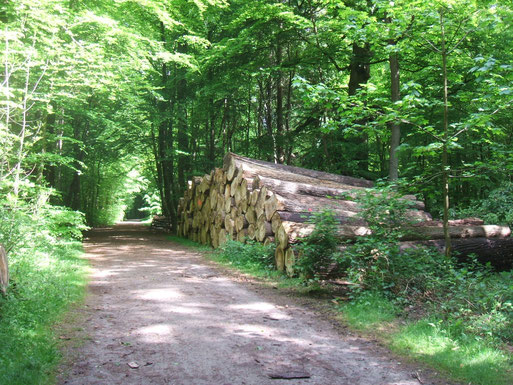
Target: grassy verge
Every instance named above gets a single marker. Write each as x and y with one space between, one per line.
44 282
253 259
444 344
460 356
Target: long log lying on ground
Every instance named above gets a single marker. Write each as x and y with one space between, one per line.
340 193
496 251
239 161
296 231
251 170
303 203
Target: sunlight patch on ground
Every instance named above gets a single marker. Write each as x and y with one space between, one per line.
159 294
158 329
259 306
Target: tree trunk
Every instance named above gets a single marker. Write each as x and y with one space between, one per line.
279 156
496 251
445 156
360 75
395 128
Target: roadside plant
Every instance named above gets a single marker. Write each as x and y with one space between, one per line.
318 253
496 208
378 262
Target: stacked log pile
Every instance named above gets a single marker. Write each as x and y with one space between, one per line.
162 223
267 202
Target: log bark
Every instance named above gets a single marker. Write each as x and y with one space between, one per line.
307 204
4 271
340 193
246 163
250 199
496 251
435 232
295 231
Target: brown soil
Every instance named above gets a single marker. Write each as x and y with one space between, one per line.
159 313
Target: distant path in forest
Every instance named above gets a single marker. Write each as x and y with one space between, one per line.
159 313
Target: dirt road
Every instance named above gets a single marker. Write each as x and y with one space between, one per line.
157 313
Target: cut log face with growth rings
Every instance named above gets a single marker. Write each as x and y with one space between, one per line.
250 199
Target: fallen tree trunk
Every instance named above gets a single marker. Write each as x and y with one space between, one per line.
297 203
296 231
250 170
340 193
238 161
496 251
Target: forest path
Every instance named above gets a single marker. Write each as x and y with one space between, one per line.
158 305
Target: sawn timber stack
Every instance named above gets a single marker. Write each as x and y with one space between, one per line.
267 202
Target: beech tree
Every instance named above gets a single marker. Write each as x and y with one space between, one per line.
97 96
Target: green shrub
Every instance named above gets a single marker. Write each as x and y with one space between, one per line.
376 261
497 208
475 301
46 276
318 253
471 300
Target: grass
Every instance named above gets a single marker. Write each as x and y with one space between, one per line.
459 356
466 359
244 265
369 312
44 282
189 243
462 357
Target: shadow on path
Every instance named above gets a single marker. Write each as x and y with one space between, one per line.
158 306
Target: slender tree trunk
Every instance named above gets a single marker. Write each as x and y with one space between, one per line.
74 192
7 95
269 120
248 122
23 132
260 116
360 75
359 68
166 140
445 156
279 152
50 170
183 139
395 128
290 146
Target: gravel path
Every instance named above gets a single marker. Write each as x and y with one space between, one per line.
158 313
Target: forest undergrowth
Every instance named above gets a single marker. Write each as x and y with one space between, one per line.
47 276
454 317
